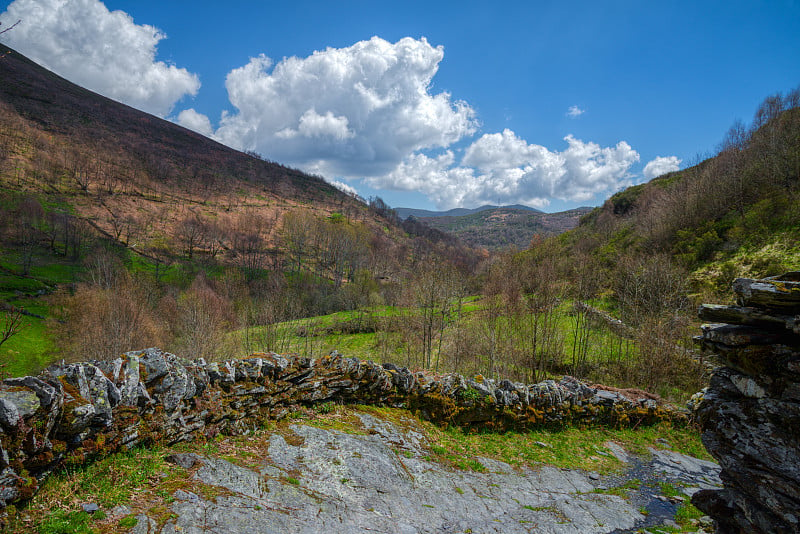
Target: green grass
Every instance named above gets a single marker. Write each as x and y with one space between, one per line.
572 448
63 522
109 482
29 351
669 490
623 490
32 349
113 480
46 270
129 521
321 334
687 513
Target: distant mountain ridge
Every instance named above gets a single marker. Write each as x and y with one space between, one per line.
405 213
495 228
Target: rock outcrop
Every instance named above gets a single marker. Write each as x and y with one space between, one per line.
750 413
385 480
72 413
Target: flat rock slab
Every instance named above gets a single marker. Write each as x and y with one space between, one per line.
382 482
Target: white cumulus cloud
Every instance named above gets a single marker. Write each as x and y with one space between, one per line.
575 111
102 50
502 168
661 165
351 112
189 118
346 188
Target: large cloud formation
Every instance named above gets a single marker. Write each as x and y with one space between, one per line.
501 168
362 112
348 112
366 111
100 50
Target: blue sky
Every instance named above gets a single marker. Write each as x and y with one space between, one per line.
435 104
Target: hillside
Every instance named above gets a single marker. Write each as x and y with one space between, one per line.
734 214
106 208
110 162
126 142
496 228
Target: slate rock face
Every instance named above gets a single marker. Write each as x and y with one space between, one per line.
76 412
750 413
384 481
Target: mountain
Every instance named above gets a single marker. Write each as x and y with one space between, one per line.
139 179
494 228
405 213
113 134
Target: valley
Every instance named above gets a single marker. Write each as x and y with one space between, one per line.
122 231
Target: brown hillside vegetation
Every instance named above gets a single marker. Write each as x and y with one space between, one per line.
138 178
147 232
149 184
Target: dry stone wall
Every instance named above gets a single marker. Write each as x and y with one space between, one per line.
750 413
72 413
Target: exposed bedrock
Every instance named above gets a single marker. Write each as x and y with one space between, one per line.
750 413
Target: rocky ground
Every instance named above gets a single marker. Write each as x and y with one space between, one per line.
384 480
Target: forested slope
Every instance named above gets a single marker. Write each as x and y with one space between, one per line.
734 214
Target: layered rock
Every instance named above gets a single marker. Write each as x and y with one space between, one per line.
750 413
71 413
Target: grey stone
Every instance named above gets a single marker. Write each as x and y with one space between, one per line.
770 294
182 495
358 483
185 460
16 404
144 525
90 507
120 511
750 411
47 393
717 313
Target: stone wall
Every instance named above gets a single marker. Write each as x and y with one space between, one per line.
72 413
750 413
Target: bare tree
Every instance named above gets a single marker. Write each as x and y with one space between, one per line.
192 231
11 323
10 27
202 317
435 293
4 31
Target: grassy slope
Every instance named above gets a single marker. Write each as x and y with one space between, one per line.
313 336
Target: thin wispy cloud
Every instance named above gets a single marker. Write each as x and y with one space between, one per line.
575 111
